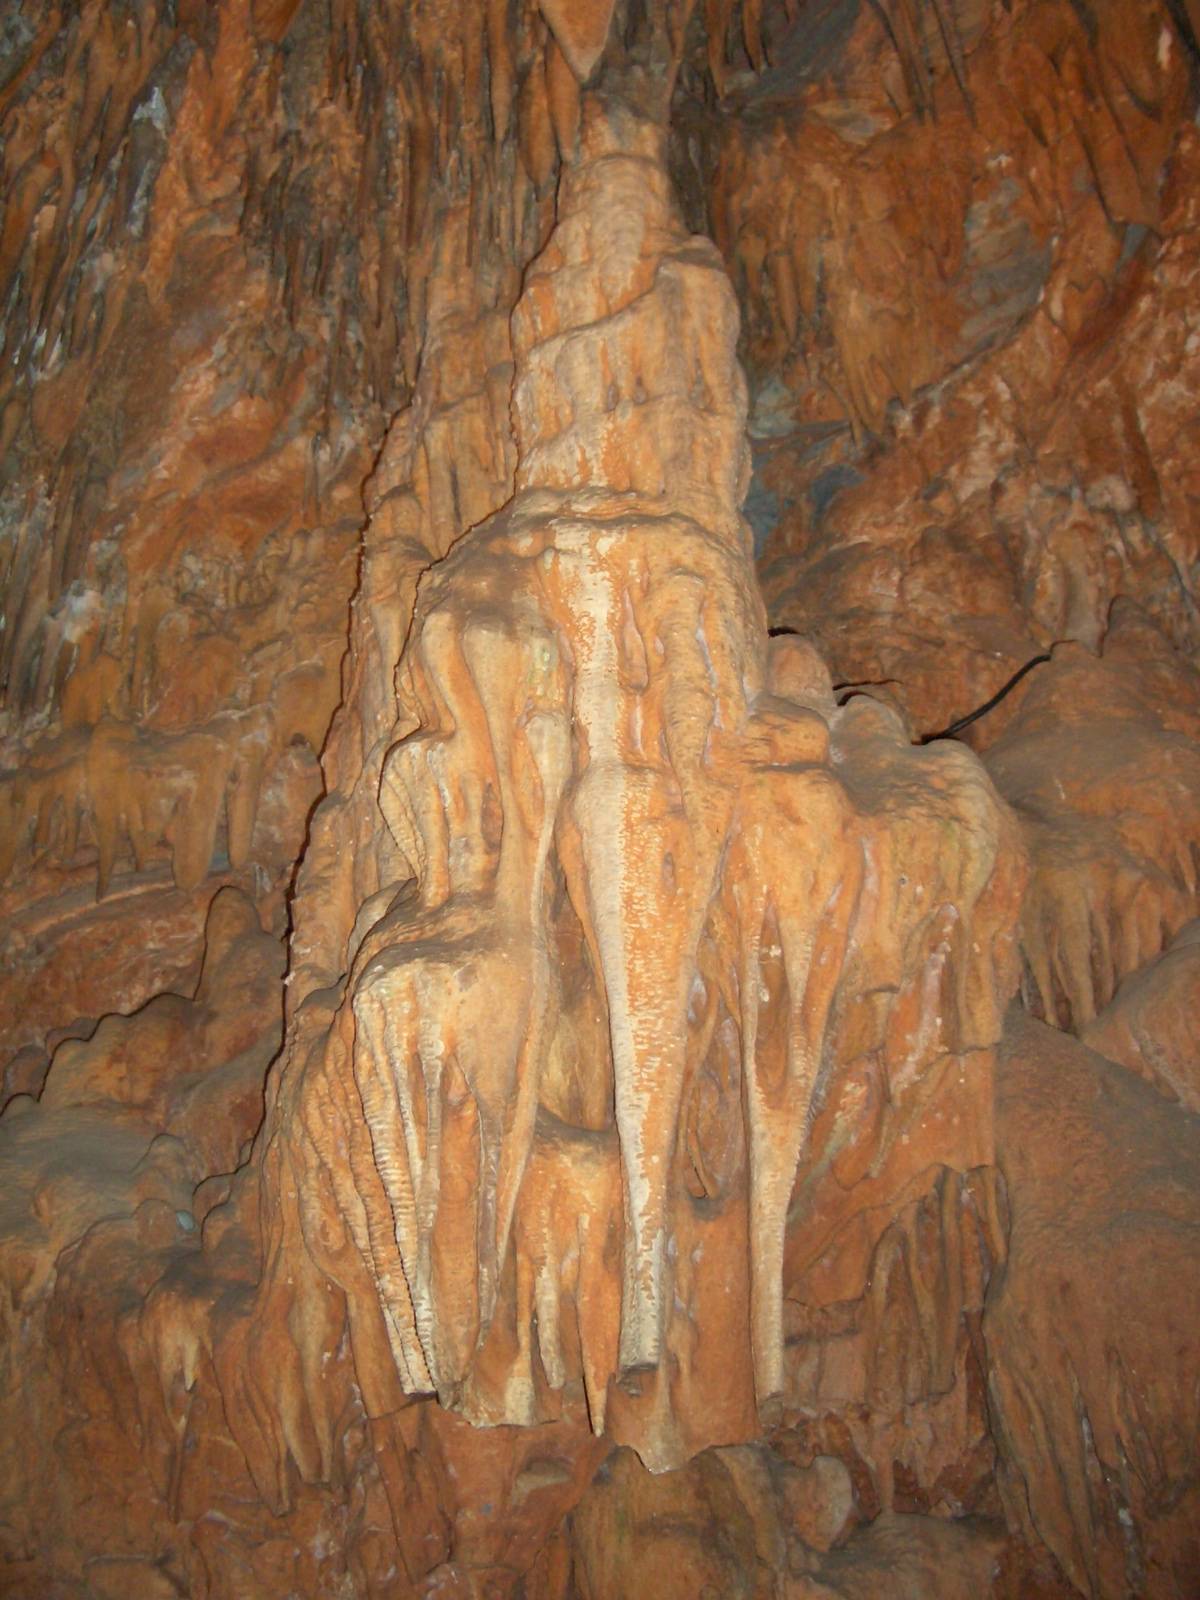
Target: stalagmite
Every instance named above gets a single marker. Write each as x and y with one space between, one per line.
588 737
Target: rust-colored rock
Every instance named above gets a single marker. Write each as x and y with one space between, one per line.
1102 767
1152 1023
507 1088
1091 1327
968 353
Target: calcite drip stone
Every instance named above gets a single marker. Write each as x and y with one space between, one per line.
652 866
377 599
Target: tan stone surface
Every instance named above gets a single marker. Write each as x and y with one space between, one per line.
600 769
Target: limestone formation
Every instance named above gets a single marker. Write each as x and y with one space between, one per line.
1150 1024
601 788
1114 836
571 1022
1090 1398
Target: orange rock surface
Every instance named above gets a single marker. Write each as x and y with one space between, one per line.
526 1070
1090 1398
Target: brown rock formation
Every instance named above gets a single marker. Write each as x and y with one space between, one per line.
1150 1025
969 341
1092 1400
591 800
665 1163
1100 765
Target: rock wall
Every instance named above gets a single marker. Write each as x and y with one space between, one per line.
527 1067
